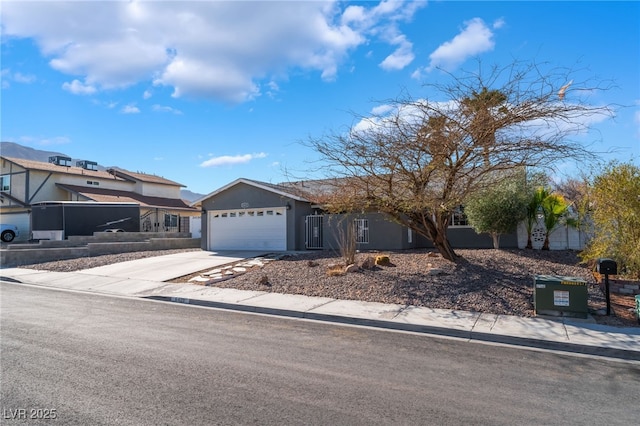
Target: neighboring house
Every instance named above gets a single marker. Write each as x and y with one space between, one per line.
27 182
251 215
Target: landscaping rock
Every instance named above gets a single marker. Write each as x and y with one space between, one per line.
369 263
351 268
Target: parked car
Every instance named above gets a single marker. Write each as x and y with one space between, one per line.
8 232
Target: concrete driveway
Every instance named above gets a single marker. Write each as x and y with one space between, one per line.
168 267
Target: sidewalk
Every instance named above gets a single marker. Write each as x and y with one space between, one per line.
145 278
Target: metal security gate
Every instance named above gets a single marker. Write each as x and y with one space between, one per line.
313 234
159 220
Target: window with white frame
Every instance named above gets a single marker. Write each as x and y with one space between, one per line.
458 218
361 230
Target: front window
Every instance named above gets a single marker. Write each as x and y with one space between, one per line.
170 221
458 218
361 230
5 183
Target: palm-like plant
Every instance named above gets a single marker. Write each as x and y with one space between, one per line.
533 208
554 206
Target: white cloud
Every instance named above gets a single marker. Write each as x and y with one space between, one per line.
161 108
40 141
78 88
130 109
147 94
58 140
382 109
475 38
24 78
230 160
385 117
402 56
18 77
208 49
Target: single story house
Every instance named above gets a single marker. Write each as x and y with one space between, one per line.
251 215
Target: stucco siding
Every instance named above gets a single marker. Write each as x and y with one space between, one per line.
383 234
241 196
232 198
468 238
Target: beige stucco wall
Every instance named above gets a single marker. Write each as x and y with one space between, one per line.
157 190
108 183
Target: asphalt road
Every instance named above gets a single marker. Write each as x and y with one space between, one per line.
91 359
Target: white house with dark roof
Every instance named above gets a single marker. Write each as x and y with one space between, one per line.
27 182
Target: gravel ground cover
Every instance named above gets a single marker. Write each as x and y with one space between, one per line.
491 281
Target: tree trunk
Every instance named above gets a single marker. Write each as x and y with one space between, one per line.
496 240
440 240
529 242
445 249
435 231
545 246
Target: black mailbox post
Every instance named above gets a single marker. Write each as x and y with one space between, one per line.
607 267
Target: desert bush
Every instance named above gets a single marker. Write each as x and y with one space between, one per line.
614 197
335 271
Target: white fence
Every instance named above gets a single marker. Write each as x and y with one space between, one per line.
562 238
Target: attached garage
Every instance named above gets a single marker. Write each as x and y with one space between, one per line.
248 229
251 215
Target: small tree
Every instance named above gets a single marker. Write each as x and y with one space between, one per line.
347 241
576 192
498 210
615 211
553 207
533 185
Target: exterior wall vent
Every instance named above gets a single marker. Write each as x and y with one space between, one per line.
60 160
87 165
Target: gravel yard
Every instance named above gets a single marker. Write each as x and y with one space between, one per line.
492 281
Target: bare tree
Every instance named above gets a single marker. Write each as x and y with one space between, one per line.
421 158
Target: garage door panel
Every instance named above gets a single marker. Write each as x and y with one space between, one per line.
248 230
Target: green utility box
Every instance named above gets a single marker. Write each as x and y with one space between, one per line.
560 296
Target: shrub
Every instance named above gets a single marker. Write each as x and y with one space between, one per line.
615 210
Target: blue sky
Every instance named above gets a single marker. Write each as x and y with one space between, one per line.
205 92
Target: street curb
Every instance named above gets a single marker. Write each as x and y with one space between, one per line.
624 354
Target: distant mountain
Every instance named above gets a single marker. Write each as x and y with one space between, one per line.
190 196
11 149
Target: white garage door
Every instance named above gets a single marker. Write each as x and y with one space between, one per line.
249 229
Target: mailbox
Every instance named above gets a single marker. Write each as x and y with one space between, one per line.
607 267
